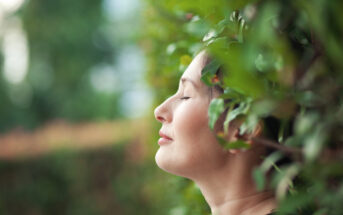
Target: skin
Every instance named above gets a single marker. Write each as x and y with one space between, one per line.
224 177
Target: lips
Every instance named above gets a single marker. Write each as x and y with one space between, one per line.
164 139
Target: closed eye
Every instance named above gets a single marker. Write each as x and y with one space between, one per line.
185 97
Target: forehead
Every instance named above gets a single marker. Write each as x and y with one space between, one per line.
194 69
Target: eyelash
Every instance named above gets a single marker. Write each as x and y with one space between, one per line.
185 98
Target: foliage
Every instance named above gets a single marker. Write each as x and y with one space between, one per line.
65 41
280 60
101 181
68 43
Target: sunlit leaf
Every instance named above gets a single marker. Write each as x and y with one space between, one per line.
305 123
198 27
314 143
216 108
286 180
239 144
270 161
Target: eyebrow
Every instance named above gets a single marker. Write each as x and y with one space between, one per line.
184 79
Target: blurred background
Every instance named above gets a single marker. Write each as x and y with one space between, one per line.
79 81
77 132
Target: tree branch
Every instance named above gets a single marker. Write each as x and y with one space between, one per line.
276 145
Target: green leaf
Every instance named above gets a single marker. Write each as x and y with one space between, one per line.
292 203
242 109
197 27
232 94
249 124
286 180
215 109
270 161
239 74
259 178
305 123
314 143
239 144
264 107
227 119
209 71
261 63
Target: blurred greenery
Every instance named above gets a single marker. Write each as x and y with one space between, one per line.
73 50
102 181
280 59
82 63
62 48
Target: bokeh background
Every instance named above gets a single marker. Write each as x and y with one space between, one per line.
77 132
79 81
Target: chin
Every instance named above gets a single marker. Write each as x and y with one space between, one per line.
162 162
181 168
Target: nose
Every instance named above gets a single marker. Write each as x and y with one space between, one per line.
162 114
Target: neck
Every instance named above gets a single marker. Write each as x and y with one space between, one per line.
230 188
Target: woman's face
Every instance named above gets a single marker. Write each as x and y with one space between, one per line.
187 145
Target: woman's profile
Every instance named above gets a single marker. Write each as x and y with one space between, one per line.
189 148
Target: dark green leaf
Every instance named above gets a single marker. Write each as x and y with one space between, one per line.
259 178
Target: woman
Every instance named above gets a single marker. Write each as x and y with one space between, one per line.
189 148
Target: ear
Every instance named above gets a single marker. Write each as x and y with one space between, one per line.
233 134
249 135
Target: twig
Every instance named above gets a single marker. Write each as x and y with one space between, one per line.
276 145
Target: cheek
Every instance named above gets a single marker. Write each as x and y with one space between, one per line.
196 145
189 120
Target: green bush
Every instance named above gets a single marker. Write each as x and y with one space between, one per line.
102 181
